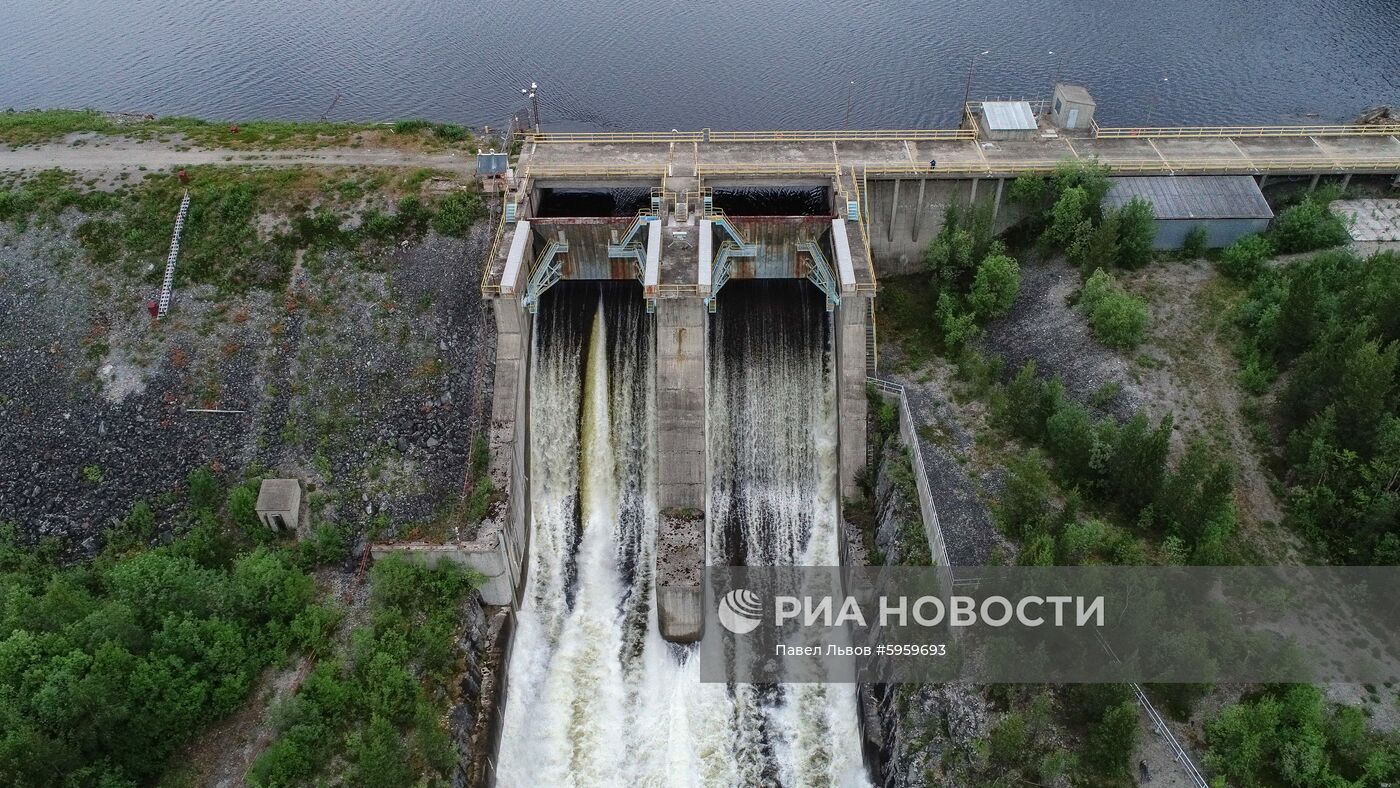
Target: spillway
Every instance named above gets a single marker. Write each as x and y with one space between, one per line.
596 697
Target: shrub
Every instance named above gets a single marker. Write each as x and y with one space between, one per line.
1245 258
1137 231
1195 244
1307 226
457 212
995 287
410 126
1117 319
958 326
451 132
205 491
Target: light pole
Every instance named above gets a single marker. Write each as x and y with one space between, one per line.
972 61
850 91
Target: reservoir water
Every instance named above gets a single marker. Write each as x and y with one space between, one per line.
611 64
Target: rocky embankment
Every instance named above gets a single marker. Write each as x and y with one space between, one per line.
369 377
916 734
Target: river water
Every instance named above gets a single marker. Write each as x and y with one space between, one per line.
613 64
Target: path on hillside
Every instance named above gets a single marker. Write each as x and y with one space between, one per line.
94 155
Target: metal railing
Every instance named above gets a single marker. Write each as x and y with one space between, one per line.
907 432
1189 766
841 135
1239 164
827 168
604 137
873 286
1335 130
489 288
677 289
1039 107
656 171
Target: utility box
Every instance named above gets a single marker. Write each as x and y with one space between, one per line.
279 504
1072 107
494 171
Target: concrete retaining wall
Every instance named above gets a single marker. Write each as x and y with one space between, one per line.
907 213
849 320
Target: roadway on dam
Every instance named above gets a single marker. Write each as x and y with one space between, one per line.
958 153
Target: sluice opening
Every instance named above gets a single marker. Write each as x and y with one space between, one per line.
773 200
572 202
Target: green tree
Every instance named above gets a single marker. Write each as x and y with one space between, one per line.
1113 739
1071 208
1025 509
1101 251
1137 232
995 287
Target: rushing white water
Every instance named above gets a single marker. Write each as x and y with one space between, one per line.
596 697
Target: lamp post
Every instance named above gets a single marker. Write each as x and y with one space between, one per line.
972 61
850 91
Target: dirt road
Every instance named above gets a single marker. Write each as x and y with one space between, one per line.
97 155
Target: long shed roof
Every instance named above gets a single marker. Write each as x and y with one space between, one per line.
1194 196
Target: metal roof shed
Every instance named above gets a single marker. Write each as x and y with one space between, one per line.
1008 120
1227 206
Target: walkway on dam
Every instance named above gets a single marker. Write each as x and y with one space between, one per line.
959 154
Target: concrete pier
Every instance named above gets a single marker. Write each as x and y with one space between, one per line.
681 341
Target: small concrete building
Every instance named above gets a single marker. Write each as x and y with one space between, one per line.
1006 120
1071 107
1227 206
279 504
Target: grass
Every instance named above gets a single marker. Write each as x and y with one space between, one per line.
298 208
40 126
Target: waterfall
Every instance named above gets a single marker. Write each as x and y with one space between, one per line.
596 697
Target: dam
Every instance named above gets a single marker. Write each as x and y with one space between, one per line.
685 329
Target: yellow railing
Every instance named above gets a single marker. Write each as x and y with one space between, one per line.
604 137
969 111
491 289
854 135
1303 164
770 168
597 171
862 187
677 290
1349 130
